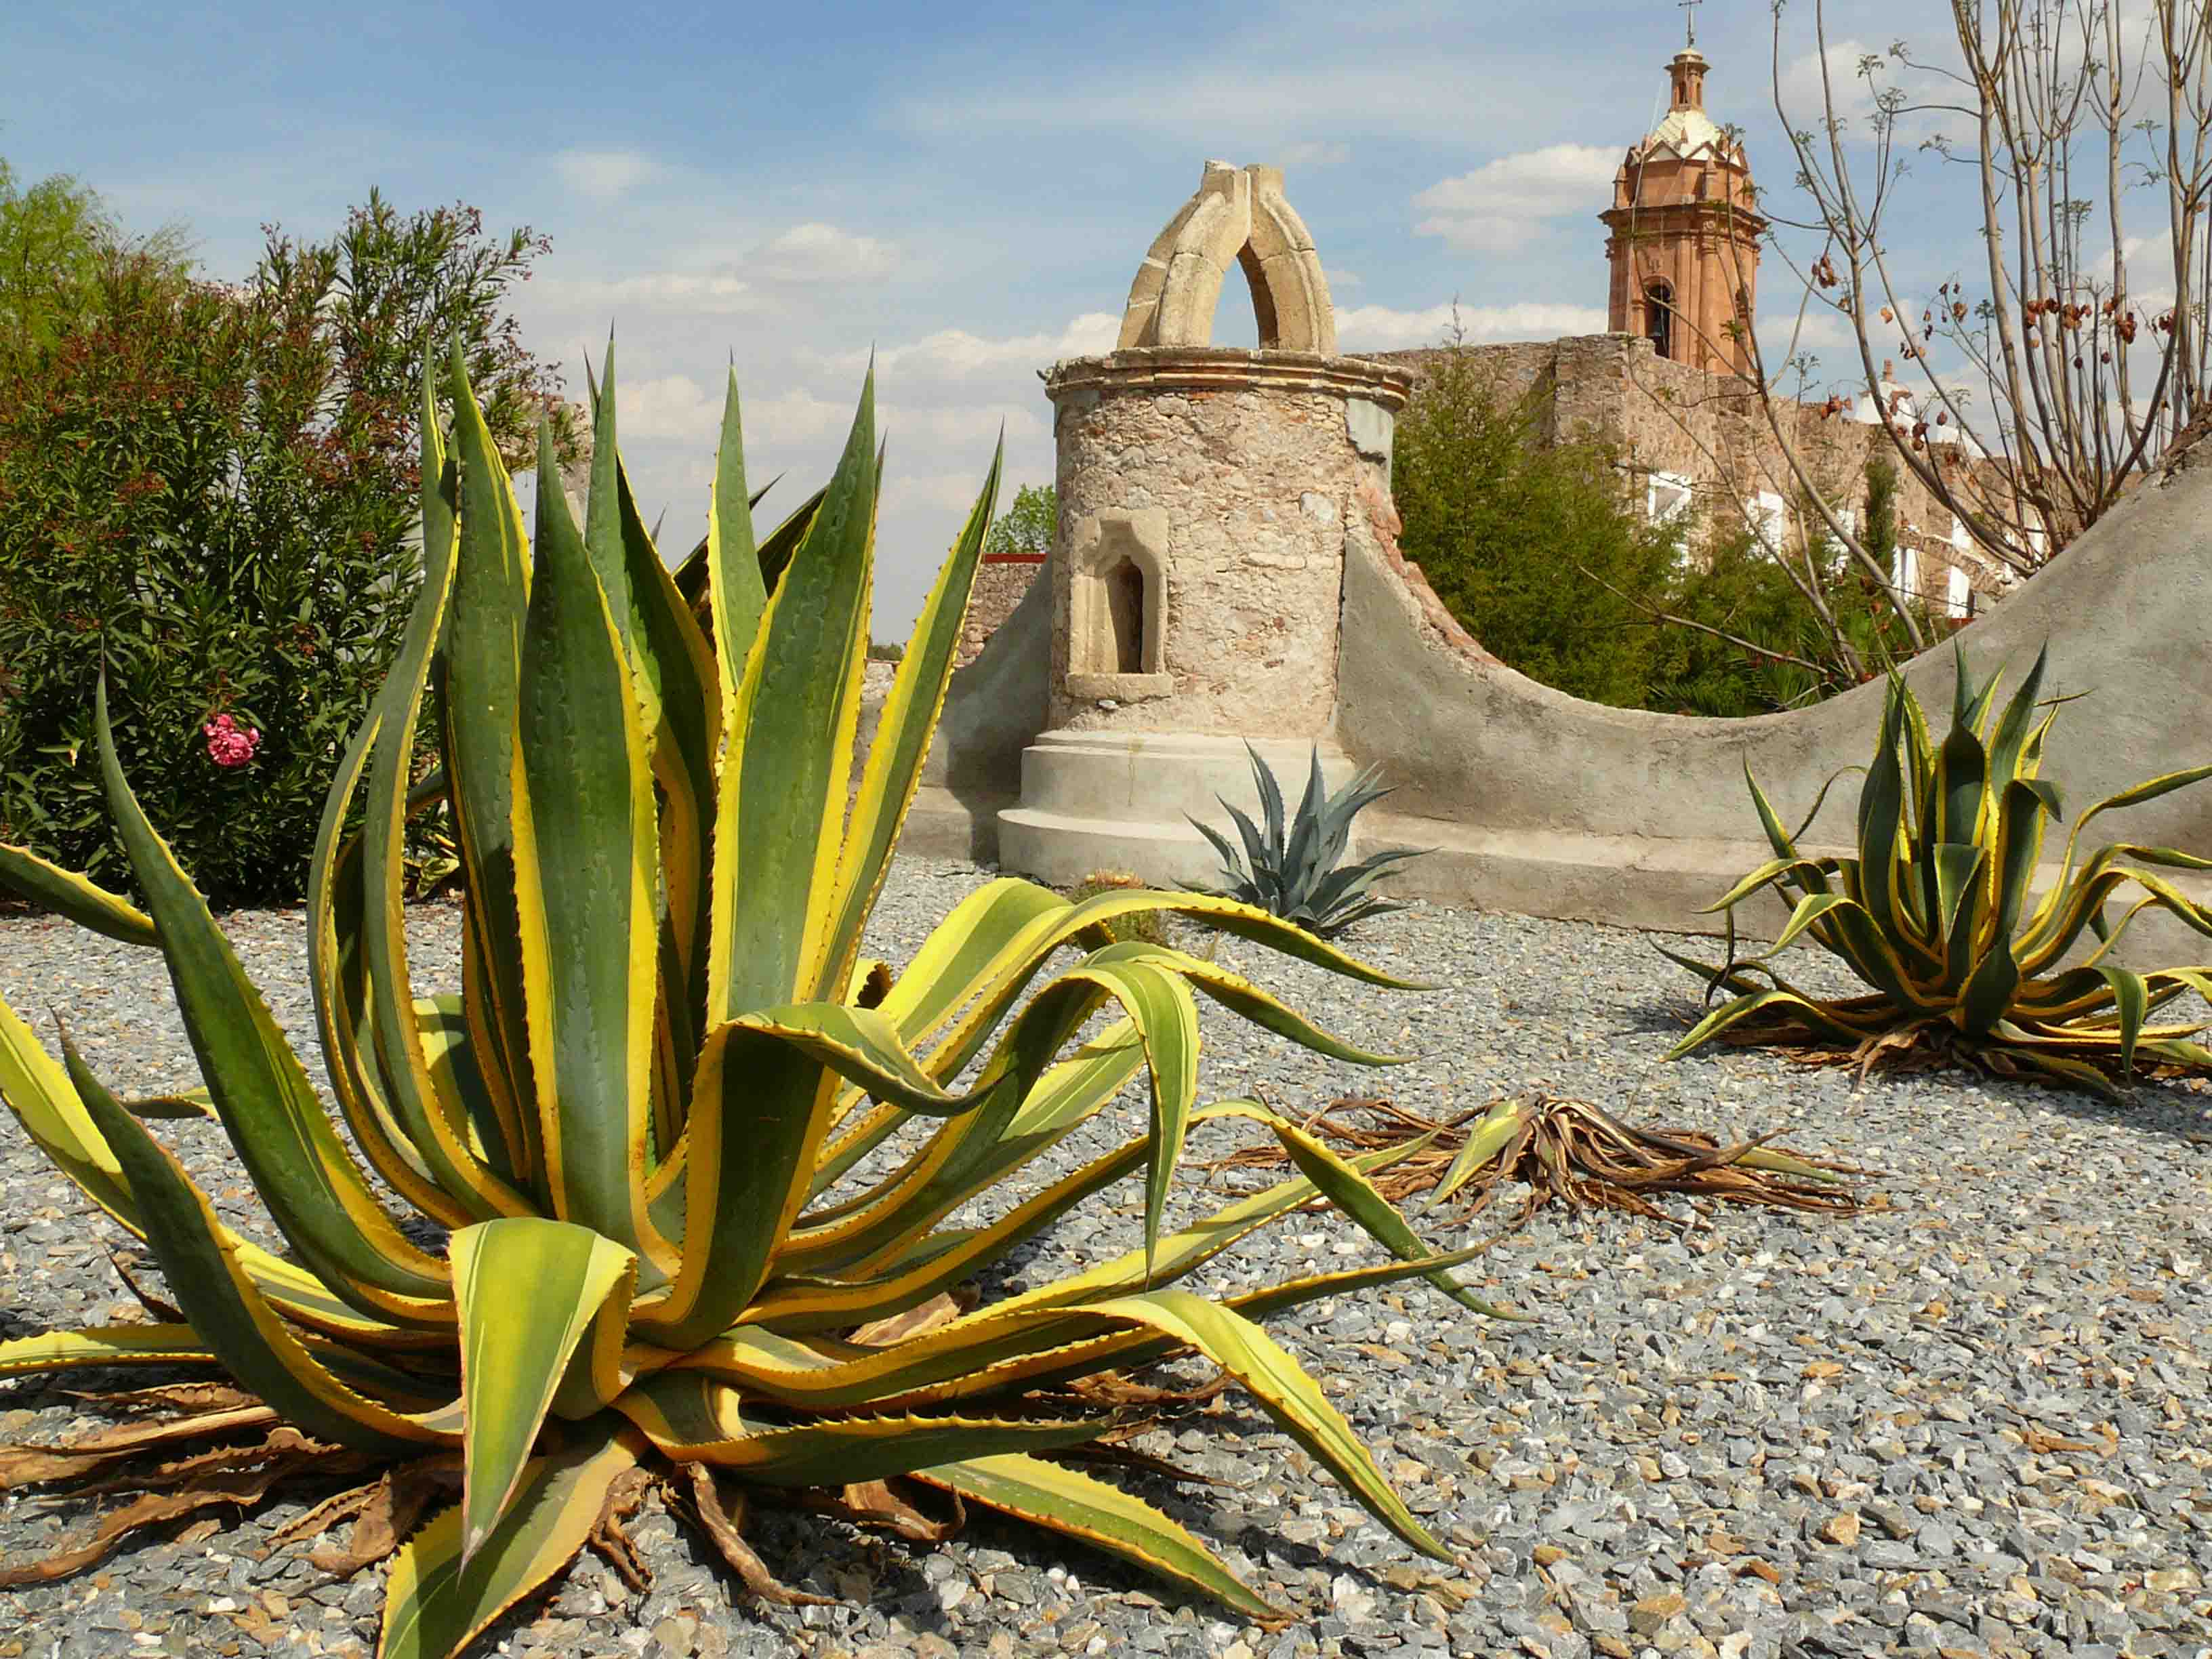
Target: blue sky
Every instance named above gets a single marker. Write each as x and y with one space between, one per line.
967 190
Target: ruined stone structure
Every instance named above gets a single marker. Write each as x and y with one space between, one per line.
1663 390
1203 497
1689 441
1001 580
1227 567
1683 250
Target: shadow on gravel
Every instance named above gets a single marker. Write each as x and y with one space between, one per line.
2173 1106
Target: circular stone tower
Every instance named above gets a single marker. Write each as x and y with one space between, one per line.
1197 575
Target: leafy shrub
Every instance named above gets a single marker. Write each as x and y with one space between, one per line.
1504 526
210 490
1027 526
1299 874
1933 914
639 1117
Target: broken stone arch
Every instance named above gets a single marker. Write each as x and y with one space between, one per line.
1237 216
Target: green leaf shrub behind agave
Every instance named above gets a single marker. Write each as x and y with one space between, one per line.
667 1056
1934 914
1298 873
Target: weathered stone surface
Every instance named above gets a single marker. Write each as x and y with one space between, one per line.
1243 483
1238 218
1370 426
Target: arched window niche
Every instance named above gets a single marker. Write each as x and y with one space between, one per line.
1117 607
1659 317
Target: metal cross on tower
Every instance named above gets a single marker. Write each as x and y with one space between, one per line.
1690 17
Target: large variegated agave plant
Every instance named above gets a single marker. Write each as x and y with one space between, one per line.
1934 917
646 1122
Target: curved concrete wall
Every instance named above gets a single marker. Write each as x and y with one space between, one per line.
994 709
1542 803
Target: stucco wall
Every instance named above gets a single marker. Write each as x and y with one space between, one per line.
1547 804
993 707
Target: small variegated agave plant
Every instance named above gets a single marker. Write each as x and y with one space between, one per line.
1298 871
646 1121
1935 916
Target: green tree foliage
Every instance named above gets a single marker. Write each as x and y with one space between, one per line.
1532 546
1027 526
53 237
1746 641
208 488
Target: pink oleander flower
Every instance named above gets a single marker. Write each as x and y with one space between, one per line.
229 743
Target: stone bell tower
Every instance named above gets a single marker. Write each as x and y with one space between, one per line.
1198 570
1685 234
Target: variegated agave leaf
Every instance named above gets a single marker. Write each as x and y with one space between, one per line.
694 1153
1935 916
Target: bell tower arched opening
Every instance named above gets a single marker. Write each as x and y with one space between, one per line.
1659 317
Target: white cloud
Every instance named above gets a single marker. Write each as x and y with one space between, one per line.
713 293
959 427
1503 204
1313 153
815 253
1849 94
794 417
673 406
1381 328
954 354
940 492
1235 105
604 175
1820 331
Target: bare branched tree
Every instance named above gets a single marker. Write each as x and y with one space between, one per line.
2043 371
2066 350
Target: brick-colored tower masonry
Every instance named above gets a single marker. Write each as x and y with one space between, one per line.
1684 242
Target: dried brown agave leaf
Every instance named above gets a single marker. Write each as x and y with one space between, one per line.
197 1484
29 1466
940 1309
1573 1152
126 1266
1112 1389
321 1518
722 1525
384 1513
624 1494
171 1396
881 1503
1120 1456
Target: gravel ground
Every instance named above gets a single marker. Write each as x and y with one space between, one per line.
1970 1422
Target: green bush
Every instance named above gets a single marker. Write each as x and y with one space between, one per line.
1027 526
1735 587
1511 532
209 489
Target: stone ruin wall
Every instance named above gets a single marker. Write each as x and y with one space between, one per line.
1609 386
1001 581
1257 485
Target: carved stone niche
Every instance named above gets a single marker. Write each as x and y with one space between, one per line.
1117 607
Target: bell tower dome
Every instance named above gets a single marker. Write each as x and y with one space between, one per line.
1684 236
